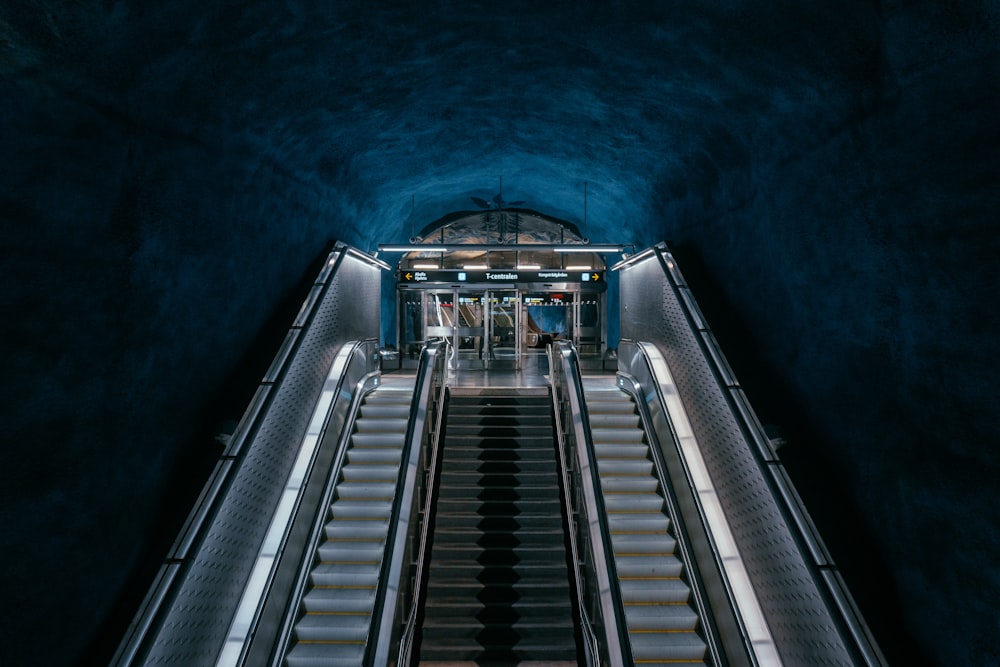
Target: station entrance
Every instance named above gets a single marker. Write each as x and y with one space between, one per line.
500 328
500 285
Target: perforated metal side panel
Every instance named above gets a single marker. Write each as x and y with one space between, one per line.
198 620
803 629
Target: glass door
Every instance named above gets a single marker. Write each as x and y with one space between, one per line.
471 331
504 340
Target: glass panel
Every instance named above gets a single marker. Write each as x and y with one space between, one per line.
470 326
411 325
503 328
548 317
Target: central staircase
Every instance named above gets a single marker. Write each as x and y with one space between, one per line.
498 587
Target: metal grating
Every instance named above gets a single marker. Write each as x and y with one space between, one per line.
197 620
803 629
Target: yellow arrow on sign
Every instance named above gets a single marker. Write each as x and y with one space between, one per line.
408 276
595 276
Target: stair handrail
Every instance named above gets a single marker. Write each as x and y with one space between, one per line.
422 558
591 646
633 387
566 376
391 597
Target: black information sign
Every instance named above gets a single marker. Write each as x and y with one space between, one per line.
452 276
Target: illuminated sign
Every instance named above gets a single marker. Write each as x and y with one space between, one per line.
500 275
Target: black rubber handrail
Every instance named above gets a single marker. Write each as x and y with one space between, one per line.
382 635
591 646
602 553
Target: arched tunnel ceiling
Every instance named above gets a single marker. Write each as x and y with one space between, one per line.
660 110
828 170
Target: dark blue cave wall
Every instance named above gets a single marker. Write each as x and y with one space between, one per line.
172 172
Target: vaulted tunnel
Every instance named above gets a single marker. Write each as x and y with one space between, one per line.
828 174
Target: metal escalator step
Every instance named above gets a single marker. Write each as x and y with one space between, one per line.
615 436
370 473
614 420
666 646
643 544
361 509
519 507
339 601
374 455
674 617
381 425
628 484
551 536
348 529
648 567
647 591
634 467
362 553
620 450
471 521
494 493
474 554
341 575
647 523
366 490
384 411
321 628
325 655
378 440
638 502
471 628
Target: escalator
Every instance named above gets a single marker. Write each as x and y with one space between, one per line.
335 613
663 625
498 587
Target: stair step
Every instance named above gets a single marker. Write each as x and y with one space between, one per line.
325 655
648 567
641 591
666 617
666 646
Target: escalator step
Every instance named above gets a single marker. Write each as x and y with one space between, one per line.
666 646
647 567
645 591
673 617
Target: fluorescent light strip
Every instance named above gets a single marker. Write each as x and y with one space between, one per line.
528 267
588 248
474 267
425 266
725 546
578 267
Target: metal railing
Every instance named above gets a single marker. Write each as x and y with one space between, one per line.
402 567
598 597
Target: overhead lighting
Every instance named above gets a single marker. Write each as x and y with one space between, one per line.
425 266
578 267
474 267
414 248
528 267
588 248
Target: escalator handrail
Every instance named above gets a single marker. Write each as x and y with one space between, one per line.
602 552
364 386
632 386
422 557
381 635
590 642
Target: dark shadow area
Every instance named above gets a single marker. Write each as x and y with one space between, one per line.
196 461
